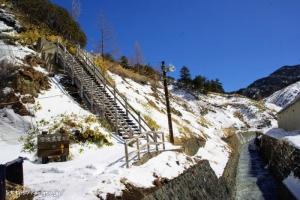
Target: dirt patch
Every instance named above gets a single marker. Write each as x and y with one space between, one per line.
25 81
34 61
190 144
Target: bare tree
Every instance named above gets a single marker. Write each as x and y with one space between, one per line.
76 9
107 37
138 58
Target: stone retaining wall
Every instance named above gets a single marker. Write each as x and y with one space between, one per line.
283 159
198 182
281 156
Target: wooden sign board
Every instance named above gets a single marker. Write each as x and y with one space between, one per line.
53 145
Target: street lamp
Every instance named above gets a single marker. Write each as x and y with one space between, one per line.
166 69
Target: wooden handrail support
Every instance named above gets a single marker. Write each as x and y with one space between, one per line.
136 139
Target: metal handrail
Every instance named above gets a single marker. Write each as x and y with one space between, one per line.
93 68
118 116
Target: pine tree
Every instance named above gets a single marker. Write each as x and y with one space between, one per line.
185 77
124 62
198 83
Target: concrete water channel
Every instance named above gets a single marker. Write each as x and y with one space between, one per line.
254 181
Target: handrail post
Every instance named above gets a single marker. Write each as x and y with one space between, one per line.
148 142
116 120
126 154
73 81
115 97
77 50
94 71
163 140
104 83
126 106
81 84
92 99
139 121
138 148
155 140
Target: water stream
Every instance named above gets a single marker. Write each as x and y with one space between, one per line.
254 181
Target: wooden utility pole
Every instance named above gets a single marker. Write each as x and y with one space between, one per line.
164 71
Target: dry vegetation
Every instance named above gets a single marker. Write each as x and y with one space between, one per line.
79 131
228 132
203 122
153 125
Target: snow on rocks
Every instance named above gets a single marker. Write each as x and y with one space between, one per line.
285 96
7 90
293 184
293 137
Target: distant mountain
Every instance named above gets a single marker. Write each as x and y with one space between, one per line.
285 96
278 80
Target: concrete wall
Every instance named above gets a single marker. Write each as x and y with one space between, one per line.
289 119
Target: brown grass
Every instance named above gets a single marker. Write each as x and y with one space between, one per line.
228 132
153 125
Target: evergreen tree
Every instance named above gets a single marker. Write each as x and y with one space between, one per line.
185 77
198 83
124 62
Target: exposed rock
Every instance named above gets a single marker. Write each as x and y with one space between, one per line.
278 80
33 60
9 20
30 81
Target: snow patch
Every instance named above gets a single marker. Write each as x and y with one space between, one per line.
293 184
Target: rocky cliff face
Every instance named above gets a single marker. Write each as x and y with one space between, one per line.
278 80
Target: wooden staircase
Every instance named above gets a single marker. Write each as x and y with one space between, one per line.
103 98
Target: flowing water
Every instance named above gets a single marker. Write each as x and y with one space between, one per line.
254 180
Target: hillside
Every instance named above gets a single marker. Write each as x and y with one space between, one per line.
285 96
34 100
278 80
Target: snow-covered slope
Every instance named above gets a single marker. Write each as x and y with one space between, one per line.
210 117
285 96
95 171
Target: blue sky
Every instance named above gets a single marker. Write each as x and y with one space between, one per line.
237 41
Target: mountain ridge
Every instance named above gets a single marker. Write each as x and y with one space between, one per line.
277 80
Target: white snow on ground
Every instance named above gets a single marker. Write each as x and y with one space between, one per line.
207 117
12 127
14 54
285 96
4 27
96 171
293 184
55 102
7 90
292 137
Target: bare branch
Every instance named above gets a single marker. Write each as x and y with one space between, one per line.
76 9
